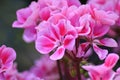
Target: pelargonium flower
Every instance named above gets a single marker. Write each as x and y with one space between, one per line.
102 4
103 71
28 18
7 56
13 74
56 38
45 68
85 17
92 24
105 5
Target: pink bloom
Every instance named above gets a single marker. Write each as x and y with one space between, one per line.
28 18
103 71
102 4
80 19
7 56
45 68
85 18
13 74
107 5
59 37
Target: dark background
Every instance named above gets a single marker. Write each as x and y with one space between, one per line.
12 37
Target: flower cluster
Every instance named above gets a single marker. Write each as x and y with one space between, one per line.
68 33
40 71
7 56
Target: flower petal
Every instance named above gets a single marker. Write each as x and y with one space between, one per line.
58 54
111 60
94 74
69 42
7 56
82 49
109 42
44 45
29 34
62 27
100 30
45 13
102 53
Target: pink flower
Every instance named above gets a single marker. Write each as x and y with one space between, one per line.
105 5
102 4
13 74
103 71
57 37
28 18
85 18
80 18
45 68
7 56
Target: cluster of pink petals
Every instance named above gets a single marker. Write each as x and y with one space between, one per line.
55 26
107 5
92 24
104 71
44 69
60 37
60 27
28 18
7 57
61 30
13 74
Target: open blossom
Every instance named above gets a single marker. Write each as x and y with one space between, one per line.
13 74
57 37
107 5
45 68
85 17
92 24
103 71
28 18
7 56
60 27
